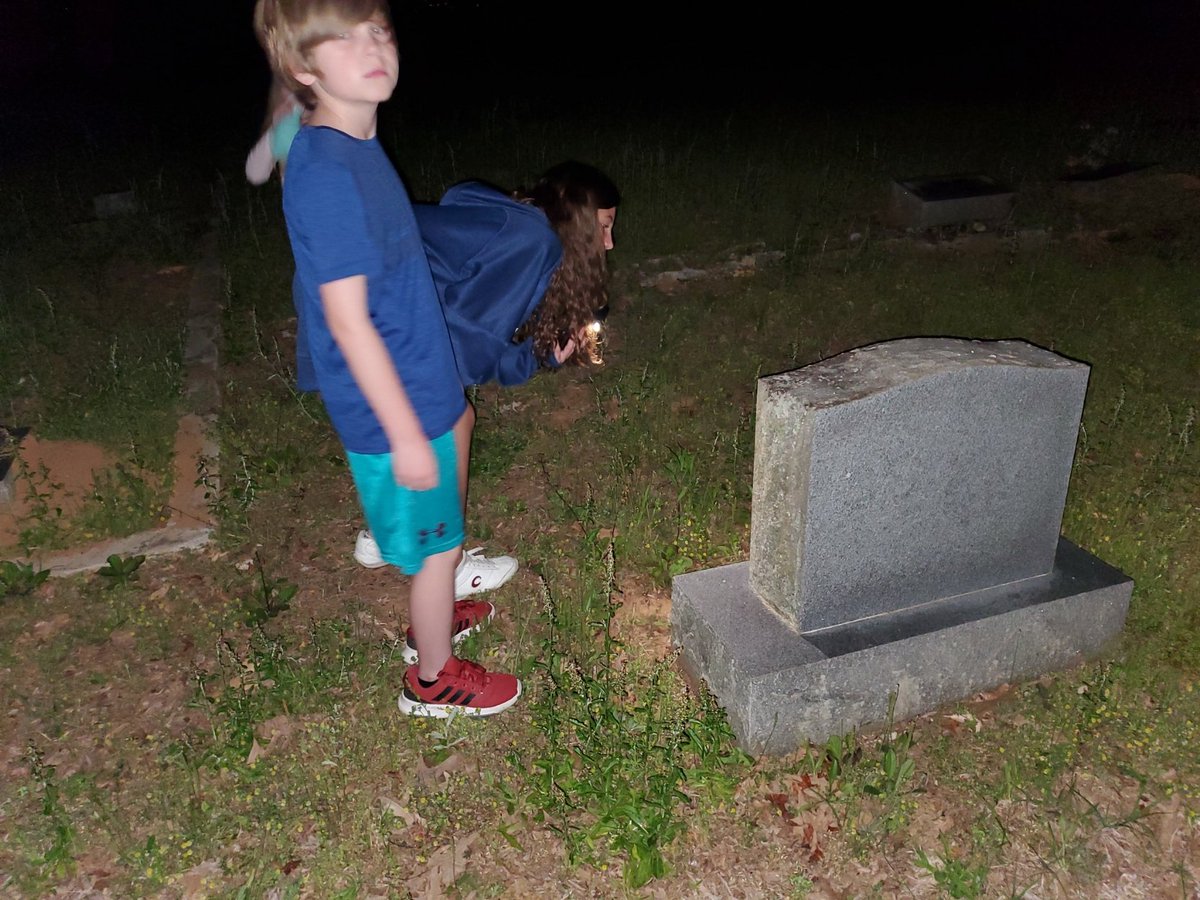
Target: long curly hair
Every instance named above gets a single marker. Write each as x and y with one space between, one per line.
570 194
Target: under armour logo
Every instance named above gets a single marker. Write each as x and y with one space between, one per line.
440 531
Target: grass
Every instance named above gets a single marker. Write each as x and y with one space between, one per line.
92 324
224 722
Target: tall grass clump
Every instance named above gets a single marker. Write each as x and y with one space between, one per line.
627 751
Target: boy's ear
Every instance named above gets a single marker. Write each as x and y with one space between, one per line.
308 79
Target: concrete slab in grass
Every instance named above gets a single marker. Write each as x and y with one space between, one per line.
921 203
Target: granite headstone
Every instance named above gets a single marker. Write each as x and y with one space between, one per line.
905 548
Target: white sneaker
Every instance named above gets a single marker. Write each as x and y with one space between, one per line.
366 551
477 573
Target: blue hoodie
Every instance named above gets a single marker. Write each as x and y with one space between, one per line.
492 259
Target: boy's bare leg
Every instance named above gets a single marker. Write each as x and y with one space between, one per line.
431 611
463 429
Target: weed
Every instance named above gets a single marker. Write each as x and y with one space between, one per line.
263 680
148 863
46 518
621 747
799 886
19 579
955 877
58 859
896 768
122 501
121 570
868 793
270 597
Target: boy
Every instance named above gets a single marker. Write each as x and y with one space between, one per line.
381 351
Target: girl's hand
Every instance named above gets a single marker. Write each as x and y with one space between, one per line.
414 466
562 354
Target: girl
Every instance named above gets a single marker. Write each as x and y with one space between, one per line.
524 285
284 113
522 276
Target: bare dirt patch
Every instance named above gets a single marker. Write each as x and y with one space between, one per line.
50 475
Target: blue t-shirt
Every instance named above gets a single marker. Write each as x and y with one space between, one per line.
348 214
492 259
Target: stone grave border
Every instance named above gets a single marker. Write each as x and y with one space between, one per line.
190 525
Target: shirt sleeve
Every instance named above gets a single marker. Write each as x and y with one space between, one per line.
283 132
323 204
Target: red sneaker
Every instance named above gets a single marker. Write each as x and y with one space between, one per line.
462 687
469 617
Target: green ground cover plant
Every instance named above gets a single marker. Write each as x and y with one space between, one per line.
224 724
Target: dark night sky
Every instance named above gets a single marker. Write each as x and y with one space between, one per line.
188 58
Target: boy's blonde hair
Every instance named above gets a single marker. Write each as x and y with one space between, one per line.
289 30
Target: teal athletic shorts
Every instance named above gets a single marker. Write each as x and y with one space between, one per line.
410 525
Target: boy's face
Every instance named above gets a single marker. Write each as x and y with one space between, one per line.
357 67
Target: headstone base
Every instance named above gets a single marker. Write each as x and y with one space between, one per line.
8 481
781 689
10 439
949 200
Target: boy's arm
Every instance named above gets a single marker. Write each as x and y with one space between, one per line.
345 305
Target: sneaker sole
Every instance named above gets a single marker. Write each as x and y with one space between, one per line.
409 654
445 710
371 563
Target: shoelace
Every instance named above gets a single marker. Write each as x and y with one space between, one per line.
468 610
473 559
472 675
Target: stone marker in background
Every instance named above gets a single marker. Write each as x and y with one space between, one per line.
10 440
907 503
921 203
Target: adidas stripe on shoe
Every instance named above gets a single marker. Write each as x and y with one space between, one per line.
463 688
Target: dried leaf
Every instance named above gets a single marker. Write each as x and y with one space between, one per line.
994 694
954 723
432 775
256 753
400 811
277 730
201 880
780 801
445 867
1171 821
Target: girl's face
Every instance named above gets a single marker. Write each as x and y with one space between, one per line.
606 218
